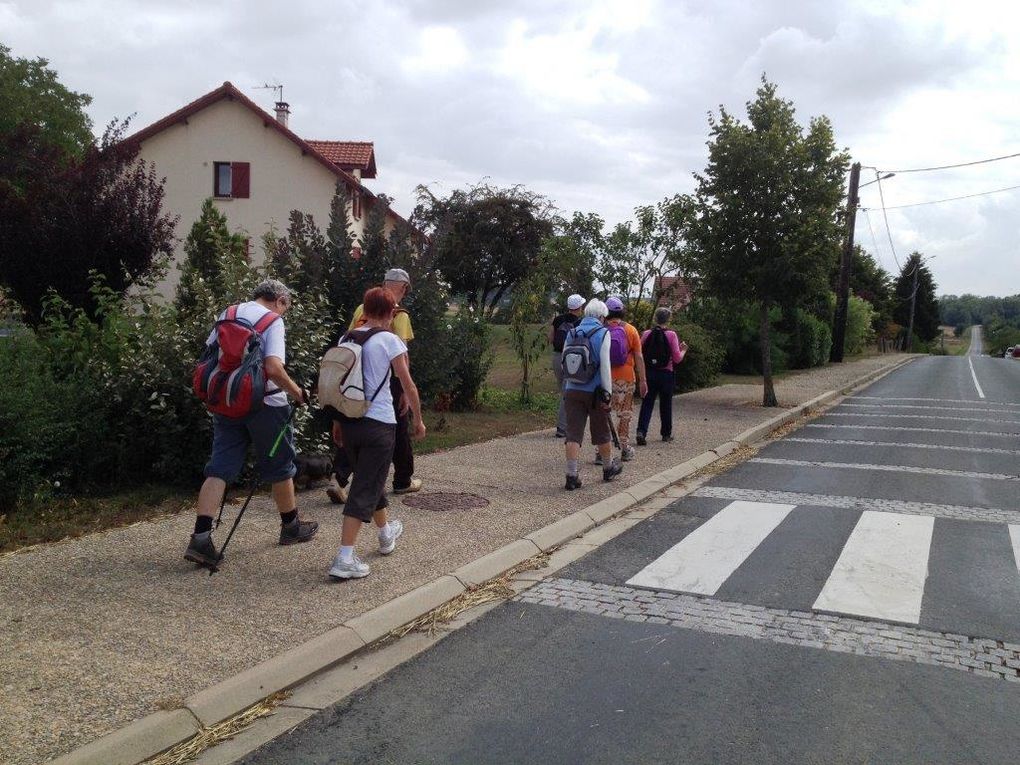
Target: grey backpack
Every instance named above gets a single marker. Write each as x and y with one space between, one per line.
580 358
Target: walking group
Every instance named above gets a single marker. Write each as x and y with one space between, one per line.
371 395
599 360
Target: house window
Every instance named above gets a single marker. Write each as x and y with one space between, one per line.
231 180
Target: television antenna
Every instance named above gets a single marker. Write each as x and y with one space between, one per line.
278 88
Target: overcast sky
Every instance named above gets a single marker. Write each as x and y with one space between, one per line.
602 106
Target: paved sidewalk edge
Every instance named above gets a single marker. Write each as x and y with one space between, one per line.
151 735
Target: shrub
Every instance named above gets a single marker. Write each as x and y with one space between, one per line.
860 331
703 362
809 341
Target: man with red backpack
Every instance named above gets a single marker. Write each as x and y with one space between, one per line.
628 365
244 384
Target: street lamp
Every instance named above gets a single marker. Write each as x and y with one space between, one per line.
877 179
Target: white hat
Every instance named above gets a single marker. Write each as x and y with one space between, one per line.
398 275
574 302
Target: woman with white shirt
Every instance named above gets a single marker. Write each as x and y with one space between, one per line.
369 440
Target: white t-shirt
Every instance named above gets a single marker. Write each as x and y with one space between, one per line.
377 354
274 342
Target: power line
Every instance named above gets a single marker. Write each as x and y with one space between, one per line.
948 199
871 228
888 231
950 167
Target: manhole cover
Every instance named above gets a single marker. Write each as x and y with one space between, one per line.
441 501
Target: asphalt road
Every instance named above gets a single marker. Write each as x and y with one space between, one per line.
849 595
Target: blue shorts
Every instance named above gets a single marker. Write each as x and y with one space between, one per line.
231 438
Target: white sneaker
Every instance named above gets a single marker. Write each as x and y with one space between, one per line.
354 569
389 544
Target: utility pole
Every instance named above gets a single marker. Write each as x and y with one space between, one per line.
843 288
913 300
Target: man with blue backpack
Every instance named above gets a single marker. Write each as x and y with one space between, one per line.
588 390
243 382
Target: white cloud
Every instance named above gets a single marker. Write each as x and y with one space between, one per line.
440 49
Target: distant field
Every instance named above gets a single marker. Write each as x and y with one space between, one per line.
506 368
957 346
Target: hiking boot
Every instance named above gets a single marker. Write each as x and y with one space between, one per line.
412 487
337 494
388 545
561 433
201 550
598 458
667 439
614 469
627 453
354 569
641 439
297 531
573 482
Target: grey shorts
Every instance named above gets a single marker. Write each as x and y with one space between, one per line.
231 438
580 408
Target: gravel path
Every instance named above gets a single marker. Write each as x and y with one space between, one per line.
98 631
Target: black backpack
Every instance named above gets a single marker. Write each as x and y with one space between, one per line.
656 349
561 331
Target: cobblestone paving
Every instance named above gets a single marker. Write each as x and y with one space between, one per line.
980 656
886 468
959 512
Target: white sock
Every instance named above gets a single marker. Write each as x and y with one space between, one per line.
385 532
346 553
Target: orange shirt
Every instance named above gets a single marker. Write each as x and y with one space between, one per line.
626 372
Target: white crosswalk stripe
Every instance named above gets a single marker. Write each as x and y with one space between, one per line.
885 468
901 445
940 400
902 429
882 569
707 556
853 405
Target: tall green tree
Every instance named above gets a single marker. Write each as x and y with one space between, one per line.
486 239
214 258
31 95
767 229
926 306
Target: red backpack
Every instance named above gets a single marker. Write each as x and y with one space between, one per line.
230 377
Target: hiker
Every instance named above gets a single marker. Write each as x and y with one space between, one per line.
561 325
628 369
588 386
369 440
232 436
661 350
398 284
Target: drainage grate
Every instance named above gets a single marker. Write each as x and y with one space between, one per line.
442 501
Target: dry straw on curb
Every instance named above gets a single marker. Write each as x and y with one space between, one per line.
216 734
477 595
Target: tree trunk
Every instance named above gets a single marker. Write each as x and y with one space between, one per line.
769 392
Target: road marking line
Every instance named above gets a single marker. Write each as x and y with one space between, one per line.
853 442
913 430
801 499
1014 537
974 375
886 468
925 417
929 408
946 400
706 557
882 569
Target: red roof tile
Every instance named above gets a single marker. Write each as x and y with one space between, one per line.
349 155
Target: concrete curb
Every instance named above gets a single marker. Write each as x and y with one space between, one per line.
151 735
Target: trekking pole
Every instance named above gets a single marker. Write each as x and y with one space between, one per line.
612 431
254 485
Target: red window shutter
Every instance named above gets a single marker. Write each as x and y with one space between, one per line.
240 179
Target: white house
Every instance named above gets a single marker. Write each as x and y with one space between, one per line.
224 146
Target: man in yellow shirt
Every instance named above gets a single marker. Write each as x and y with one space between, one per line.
397 283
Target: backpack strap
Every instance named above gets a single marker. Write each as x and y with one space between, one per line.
231 313
360 337
263 324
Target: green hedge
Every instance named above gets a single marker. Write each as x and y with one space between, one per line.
703 362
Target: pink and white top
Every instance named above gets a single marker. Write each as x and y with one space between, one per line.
678 349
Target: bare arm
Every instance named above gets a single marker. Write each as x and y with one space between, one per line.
403 372
277 374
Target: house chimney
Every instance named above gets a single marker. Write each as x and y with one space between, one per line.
282 112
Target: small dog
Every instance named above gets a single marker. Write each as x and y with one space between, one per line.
312 469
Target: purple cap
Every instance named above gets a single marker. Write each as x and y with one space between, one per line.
614 304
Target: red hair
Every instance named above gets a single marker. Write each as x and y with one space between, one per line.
379 303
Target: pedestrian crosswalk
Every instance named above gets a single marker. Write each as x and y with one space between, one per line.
881 571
